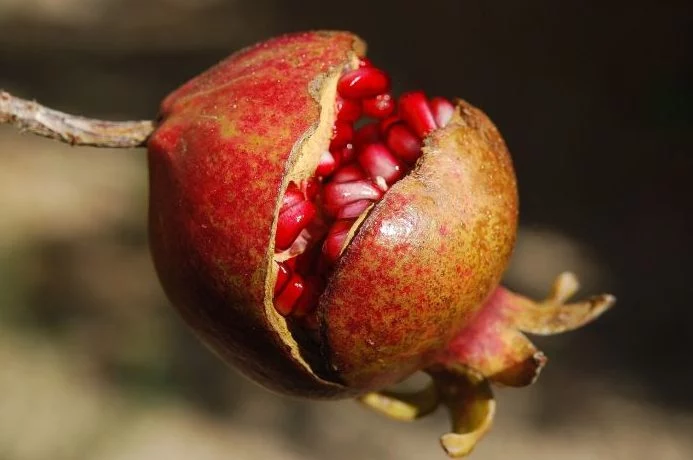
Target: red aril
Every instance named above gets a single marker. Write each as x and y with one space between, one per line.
352 210
387 122
338 194
402 141
292 221
292 196
343 133
380 106
335 239
414 109
378 161
309 297
347 109
310 188
349 173
346 154
442 111
363 82
365 62
326 165
283 275
366 134
285 301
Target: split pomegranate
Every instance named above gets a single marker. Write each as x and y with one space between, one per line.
329 238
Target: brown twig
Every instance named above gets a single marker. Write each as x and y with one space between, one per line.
32 117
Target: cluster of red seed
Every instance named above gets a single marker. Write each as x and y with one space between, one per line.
359 167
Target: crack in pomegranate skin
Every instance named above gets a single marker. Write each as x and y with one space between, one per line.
359 167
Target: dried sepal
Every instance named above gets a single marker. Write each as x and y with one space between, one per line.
465 393
403 406
554 315
469 399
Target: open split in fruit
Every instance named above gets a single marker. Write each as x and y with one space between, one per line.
375 142
329 239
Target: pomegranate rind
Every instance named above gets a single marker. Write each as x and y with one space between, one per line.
219 161
425 258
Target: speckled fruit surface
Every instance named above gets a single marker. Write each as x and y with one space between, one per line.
425 258
217 164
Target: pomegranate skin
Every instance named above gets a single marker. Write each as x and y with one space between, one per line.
217 163
416 271
426 257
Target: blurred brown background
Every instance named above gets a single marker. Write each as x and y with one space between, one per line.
595 101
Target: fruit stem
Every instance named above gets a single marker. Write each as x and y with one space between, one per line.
35 118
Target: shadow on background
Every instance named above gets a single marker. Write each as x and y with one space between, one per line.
594 100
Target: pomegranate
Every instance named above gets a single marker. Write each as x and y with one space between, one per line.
330 239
